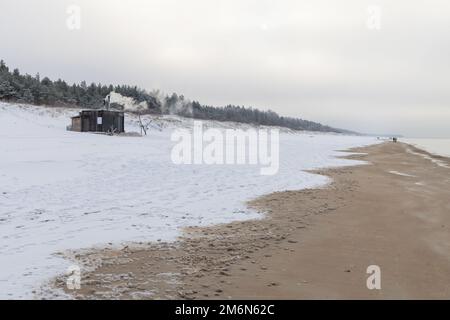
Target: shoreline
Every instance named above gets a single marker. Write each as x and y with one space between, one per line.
312 243
434 146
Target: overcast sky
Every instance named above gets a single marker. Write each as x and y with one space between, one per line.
324 60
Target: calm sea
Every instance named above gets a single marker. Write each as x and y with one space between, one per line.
435 146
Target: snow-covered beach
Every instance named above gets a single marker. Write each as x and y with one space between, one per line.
63 190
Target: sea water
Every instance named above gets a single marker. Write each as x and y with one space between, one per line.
435 146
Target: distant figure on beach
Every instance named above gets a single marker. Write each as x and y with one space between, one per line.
394 139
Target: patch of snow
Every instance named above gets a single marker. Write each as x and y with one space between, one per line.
401 174
427 157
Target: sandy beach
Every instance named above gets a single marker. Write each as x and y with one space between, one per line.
313 243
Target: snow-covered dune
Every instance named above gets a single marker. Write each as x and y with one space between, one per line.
65 190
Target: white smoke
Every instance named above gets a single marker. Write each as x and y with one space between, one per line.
178 106
128 104
169 104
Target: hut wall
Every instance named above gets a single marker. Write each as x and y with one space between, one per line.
99 121
76 124
114 120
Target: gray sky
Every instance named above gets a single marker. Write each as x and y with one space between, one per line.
322 60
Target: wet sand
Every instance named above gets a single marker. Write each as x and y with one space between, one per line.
314 243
